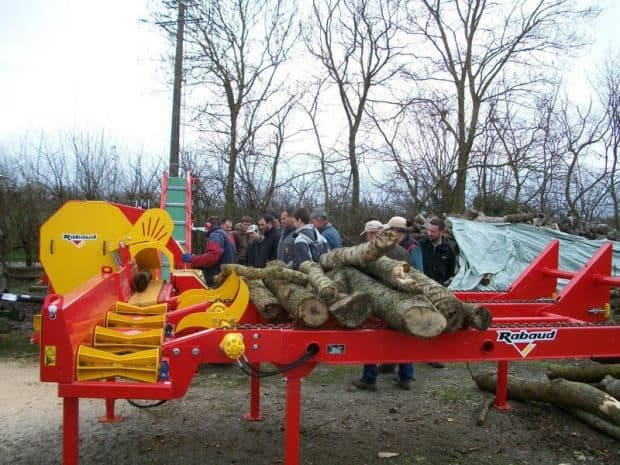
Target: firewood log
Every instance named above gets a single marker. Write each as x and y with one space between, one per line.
401 276
273 271
141 280
351 310
567 393
612 386
393 273
359 254
594 421
266 303
476 317
590 373
326 289
301 304
340 279
412 314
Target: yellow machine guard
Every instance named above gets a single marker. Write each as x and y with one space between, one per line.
219 315
226 292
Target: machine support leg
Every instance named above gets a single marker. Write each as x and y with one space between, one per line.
70 430
293 420
254 414
501 388
109 413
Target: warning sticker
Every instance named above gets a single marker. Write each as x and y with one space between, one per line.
50 356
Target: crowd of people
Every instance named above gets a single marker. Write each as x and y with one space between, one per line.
297 235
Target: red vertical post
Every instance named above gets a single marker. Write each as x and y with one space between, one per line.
293 420
254 414
70 430
110 417
501 388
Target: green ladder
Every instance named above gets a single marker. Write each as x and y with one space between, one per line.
176 200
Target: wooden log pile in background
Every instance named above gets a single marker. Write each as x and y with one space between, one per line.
351 284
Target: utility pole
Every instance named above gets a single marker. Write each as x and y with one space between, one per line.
176 97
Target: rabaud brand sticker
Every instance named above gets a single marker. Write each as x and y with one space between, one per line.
79 240
525 341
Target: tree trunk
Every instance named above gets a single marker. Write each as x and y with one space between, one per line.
393 273
594 421
359 254
141 280
299 302
340 279
402 276
266 303
585 373
271 272
476 317
351 310
567 393
412 314
327 289
612 386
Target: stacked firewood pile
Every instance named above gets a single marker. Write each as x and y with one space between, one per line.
591 392
352 284
589 230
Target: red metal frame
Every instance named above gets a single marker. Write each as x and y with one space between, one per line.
529 322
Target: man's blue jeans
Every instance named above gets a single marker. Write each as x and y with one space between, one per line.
406 372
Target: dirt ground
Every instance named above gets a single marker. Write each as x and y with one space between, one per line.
434 423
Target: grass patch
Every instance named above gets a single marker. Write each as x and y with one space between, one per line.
16 343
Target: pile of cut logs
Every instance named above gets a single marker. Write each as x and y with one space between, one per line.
352 284
590 391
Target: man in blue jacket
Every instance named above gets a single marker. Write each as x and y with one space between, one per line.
327 230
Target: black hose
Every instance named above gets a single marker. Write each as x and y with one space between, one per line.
249 370
137 404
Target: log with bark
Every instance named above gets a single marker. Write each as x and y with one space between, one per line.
357 255
274 270
402 276
326 289
567 393
594 421
590 373
351 311
476 317
412 314
611 386
301 304
266 302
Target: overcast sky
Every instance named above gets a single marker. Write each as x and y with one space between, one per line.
93 65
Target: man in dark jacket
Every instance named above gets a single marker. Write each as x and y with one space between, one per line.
269 246
437 255
288 226
218 251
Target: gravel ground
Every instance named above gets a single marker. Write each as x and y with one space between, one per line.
434 423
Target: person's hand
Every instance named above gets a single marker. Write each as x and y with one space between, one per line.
186 257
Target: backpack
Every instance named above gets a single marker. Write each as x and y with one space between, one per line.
318 246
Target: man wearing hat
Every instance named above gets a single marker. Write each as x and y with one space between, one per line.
319 220
254 240
406 371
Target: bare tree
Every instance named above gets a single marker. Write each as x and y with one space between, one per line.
355 42
609 95
234 50
467 45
